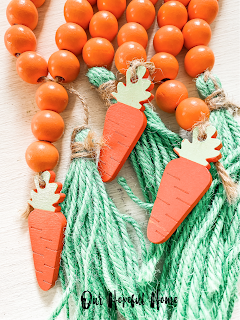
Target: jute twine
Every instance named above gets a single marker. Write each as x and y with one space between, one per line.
133 65
231 188
88 149
218 99
105 90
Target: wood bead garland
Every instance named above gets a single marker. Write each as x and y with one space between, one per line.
46 223
166 66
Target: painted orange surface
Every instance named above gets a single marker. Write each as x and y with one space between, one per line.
19 39
47 125
31 67
98 52
72 37
22 12
123 127
41 156
127 52
204 9
167 67
78 11
142 12
104 25
64 64
46 233
190 111
38 3
169 95
196 32
51 96
172 13
132 31
116 7
198 60
184 2
183 184
168 39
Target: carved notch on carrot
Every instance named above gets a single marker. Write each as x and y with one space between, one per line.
124 123
46 228
184 182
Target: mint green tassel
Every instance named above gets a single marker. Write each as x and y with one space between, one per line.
202 259
98 255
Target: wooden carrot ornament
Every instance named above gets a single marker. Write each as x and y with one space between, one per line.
124 123
184 182
46 227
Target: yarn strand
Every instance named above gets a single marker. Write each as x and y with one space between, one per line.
194 268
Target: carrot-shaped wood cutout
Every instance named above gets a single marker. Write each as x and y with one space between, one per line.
46 227
184 182
124 123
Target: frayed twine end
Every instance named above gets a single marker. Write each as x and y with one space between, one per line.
231 188
218 99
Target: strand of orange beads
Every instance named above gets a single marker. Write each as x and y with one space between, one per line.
51 97
44 217
181 23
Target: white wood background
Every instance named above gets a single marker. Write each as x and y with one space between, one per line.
20 297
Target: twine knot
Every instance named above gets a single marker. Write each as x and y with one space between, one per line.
105 91
229 185
217 99
134 64
89 148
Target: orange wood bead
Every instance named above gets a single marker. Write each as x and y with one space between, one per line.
166 67
196 32
38 3
78 11
92 2
22 12
154 2
168 39
133 31
141 11
41 156
65 65
47 125
19 39
184 2
169 94
98 52
72 37
51 96
128 52
31 67
172 13
104 25
116 7
204 9
199 59
190 111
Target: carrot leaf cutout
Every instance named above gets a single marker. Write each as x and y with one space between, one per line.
45 198
133 93
201 152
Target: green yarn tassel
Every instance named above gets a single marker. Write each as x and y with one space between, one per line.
98 255
202 259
